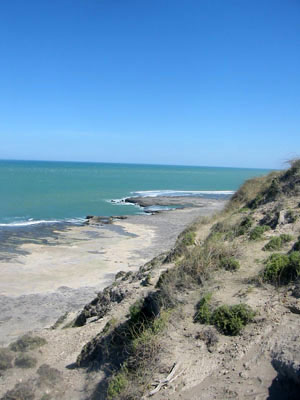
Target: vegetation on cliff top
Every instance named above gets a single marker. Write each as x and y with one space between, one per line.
132 348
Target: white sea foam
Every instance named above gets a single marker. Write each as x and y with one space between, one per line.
170 193
30 222
120 201
173 193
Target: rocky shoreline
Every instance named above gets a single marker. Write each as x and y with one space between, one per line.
44 289
180 201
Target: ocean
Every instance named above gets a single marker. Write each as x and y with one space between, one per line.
42 192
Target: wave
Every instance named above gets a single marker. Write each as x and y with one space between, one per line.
174 193
30 222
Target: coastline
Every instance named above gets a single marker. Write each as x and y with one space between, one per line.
44 281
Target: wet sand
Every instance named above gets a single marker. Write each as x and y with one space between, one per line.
43 280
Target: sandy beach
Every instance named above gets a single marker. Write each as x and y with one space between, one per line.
40 282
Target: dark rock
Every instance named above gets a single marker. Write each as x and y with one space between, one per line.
120 275
286 361
296 290
101 304
92 219
152 305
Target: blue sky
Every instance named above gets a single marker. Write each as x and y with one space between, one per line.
193 82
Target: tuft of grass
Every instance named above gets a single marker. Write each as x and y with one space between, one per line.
6 359
141 346
189 238
25 361
109 326
204 310
244 210
282 268
229 263
249 193
135 310
230 320
117 384
27 342
244 226
258 231
277 242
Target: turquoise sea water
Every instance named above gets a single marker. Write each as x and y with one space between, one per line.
34 191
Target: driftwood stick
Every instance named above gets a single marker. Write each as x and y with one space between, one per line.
170 378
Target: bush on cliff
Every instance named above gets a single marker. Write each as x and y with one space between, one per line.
204 310
229 263
229 320
258 231
277 242
282 268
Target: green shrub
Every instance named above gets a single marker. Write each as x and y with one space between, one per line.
109 326
160 323
117 384
221 227
274 244
189 238
282 268
204 311
244 210
292 271
244 226
286 238
274 266
230 320
277 242
135 310
27 342
258 231
139 344
229 263
25 361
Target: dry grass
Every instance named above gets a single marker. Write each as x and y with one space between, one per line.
249 191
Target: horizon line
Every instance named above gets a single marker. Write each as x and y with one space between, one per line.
134 163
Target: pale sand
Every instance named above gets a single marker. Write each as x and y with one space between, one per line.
43 282
79 261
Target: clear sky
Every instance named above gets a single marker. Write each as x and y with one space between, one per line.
193 82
